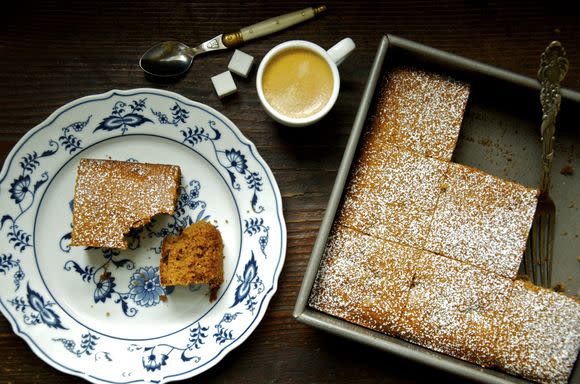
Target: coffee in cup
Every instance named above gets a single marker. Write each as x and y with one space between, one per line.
298 81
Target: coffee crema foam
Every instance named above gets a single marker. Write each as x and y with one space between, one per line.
297 82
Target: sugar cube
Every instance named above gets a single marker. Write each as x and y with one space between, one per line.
241 63
224 84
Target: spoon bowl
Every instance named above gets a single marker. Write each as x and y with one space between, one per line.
167 59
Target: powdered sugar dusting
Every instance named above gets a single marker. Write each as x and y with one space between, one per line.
482 220
451 308
392 195
421 111
539 335
111 197
363 280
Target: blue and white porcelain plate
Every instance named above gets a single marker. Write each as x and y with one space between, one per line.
101 314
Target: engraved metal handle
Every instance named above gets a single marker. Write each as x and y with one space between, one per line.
553 69
266 27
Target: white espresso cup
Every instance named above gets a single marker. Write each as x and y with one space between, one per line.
333 57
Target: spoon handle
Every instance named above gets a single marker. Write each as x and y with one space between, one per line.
269 26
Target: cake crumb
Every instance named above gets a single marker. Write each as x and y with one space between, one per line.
567 170
105 275
559 287
163 298
485 142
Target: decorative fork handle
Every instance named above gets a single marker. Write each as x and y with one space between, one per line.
266 27
553 69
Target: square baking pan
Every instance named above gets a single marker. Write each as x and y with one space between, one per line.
500 135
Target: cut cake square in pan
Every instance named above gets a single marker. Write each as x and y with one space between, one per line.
451 308
393 223
420 111
393 195
539 335
112 197
363 280
482 220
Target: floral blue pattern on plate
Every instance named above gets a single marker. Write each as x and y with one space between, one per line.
102 314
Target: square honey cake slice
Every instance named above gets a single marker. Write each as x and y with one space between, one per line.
419 110
193 257
393 195
112 197
539 336
482 220
363 280
451 308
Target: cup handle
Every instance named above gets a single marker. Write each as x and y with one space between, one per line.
341 50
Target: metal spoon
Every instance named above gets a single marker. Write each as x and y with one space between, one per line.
173 58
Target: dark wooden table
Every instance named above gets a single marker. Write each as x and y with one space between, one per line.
53 52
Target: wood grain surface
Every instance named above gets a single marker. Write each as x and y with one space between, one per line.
53 52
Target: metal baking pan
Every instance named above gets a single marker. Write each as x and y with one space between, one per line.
499 135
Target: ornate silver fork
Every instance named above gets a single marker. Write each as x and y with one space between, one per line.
539 253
